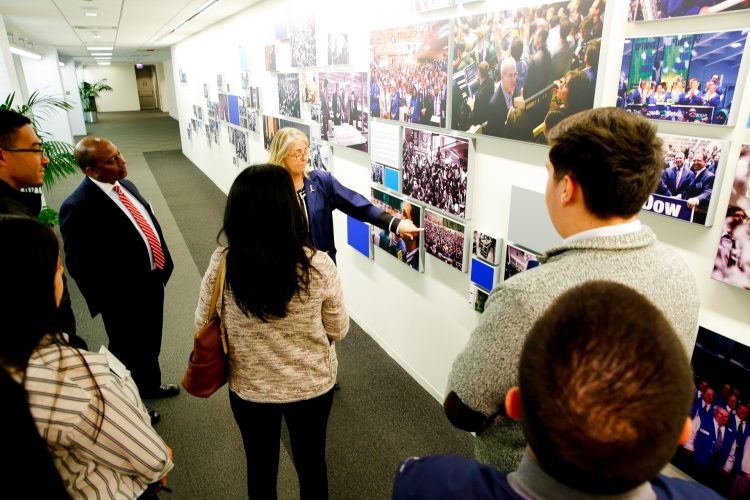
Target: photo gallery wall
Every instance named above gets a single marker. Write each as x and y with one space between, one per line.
510 74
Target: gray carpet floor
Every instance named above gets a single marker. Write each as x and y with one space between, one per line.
379 417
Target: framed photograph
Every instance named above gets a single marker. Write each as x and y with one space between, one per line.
385 143
445 239
310 90
691 168
483 274
378 173
687 78
289 94
406 250
732 264
282 30
401 57
271 125
270 51
436 170
485 247
238 139
662 9
183 76
358 236
477 298
224 107
343 108
541 73
205 90
338 48
518 260
321 157
715 452
302 41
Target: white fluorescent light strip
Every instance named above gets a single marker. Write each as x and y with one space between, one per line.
192 16
24 53
103 63
100 48
90 14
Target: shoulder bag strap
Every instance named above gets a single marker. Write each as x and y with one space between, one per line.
218 287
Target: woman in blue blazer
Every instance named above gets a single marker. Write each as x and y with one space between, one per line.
321 193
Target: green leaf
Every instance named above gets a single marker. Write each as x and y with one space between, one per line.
62 163
48 216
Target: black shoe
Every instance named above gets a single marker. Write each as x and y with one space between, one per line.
164 391
155 415
336 387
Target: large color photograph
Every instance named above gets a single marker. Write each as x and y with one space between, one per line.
650 10
445 239
686 186
409 73
343 109
714 453
732 264
517 73
407 250
682 78
436 170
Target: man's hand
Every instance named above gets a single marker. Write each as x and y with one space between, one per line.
408 229
692 202
163 481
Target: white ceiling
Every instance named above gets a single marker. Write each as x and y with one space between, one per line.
133 27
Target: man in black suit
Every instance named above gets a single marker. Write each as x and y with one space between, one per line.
698 193
540 66
482 100
116 252
676 178
501 101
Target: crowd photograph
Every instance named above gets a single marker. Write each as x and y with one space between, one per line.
517 73
518 260
681 78
484 246
405 249
445 239
289 104
732 264
435 169
302 42
690 166
662 9
343 109
338 48
714 453
409 73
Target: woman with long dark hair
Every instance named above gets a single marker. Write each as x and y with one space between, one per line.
283 309
85 407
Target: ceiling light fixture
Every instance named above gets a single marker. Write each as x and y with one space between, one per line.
24 52
61 64
200 10
103 63
100 48
90 14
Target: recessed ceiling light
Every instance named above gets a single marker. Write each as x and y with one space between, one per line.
90 14
100 48
103 63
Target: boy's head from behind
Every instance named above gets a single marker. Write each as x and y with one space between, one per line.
605 389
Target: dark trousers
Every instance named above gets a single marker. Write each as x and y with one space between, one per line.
260 426
134 328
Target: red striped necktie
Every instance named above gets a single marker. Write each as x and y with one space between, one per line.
153 241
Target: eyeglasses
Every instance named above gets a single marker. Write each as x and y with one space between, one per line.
300 154
25 150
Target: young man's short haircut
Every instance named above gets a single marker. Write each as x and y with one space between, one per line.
10 122
605 389
614 155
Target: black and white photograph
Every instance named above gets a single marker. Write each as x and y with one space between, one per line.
224 107
315 113
220 83
238 139
485 247
302 41
183 76
245 80
652 10
445 239
691 166
689 78
378 171
343 101
732 264
244 112
338 48
270 51
477 298
436 169
255 97
409 73
518 260
252 120
205 90
714 453
321 156
289 94
310 90
519 72
407 250
270 127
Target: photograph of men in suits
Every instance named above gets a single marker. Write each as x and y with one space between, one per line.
698 193
676 178
117 254
713 447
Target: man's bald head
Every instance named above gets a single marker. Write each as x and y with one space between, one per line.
85 151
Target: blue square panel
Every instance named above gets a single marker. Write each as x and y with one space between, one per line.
358 235
483 274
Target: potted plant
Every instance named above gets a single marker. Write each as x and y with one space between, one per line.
89 92
60 154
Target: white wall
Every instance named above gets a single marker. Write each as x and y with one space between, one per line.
70 86
164 89
8 78
424 320
43 76
169 80
121 77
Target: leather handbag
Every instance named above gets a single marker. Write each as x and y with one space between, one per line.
207 367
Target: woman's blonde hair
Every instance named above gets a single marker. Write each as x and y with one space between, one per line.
282 143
